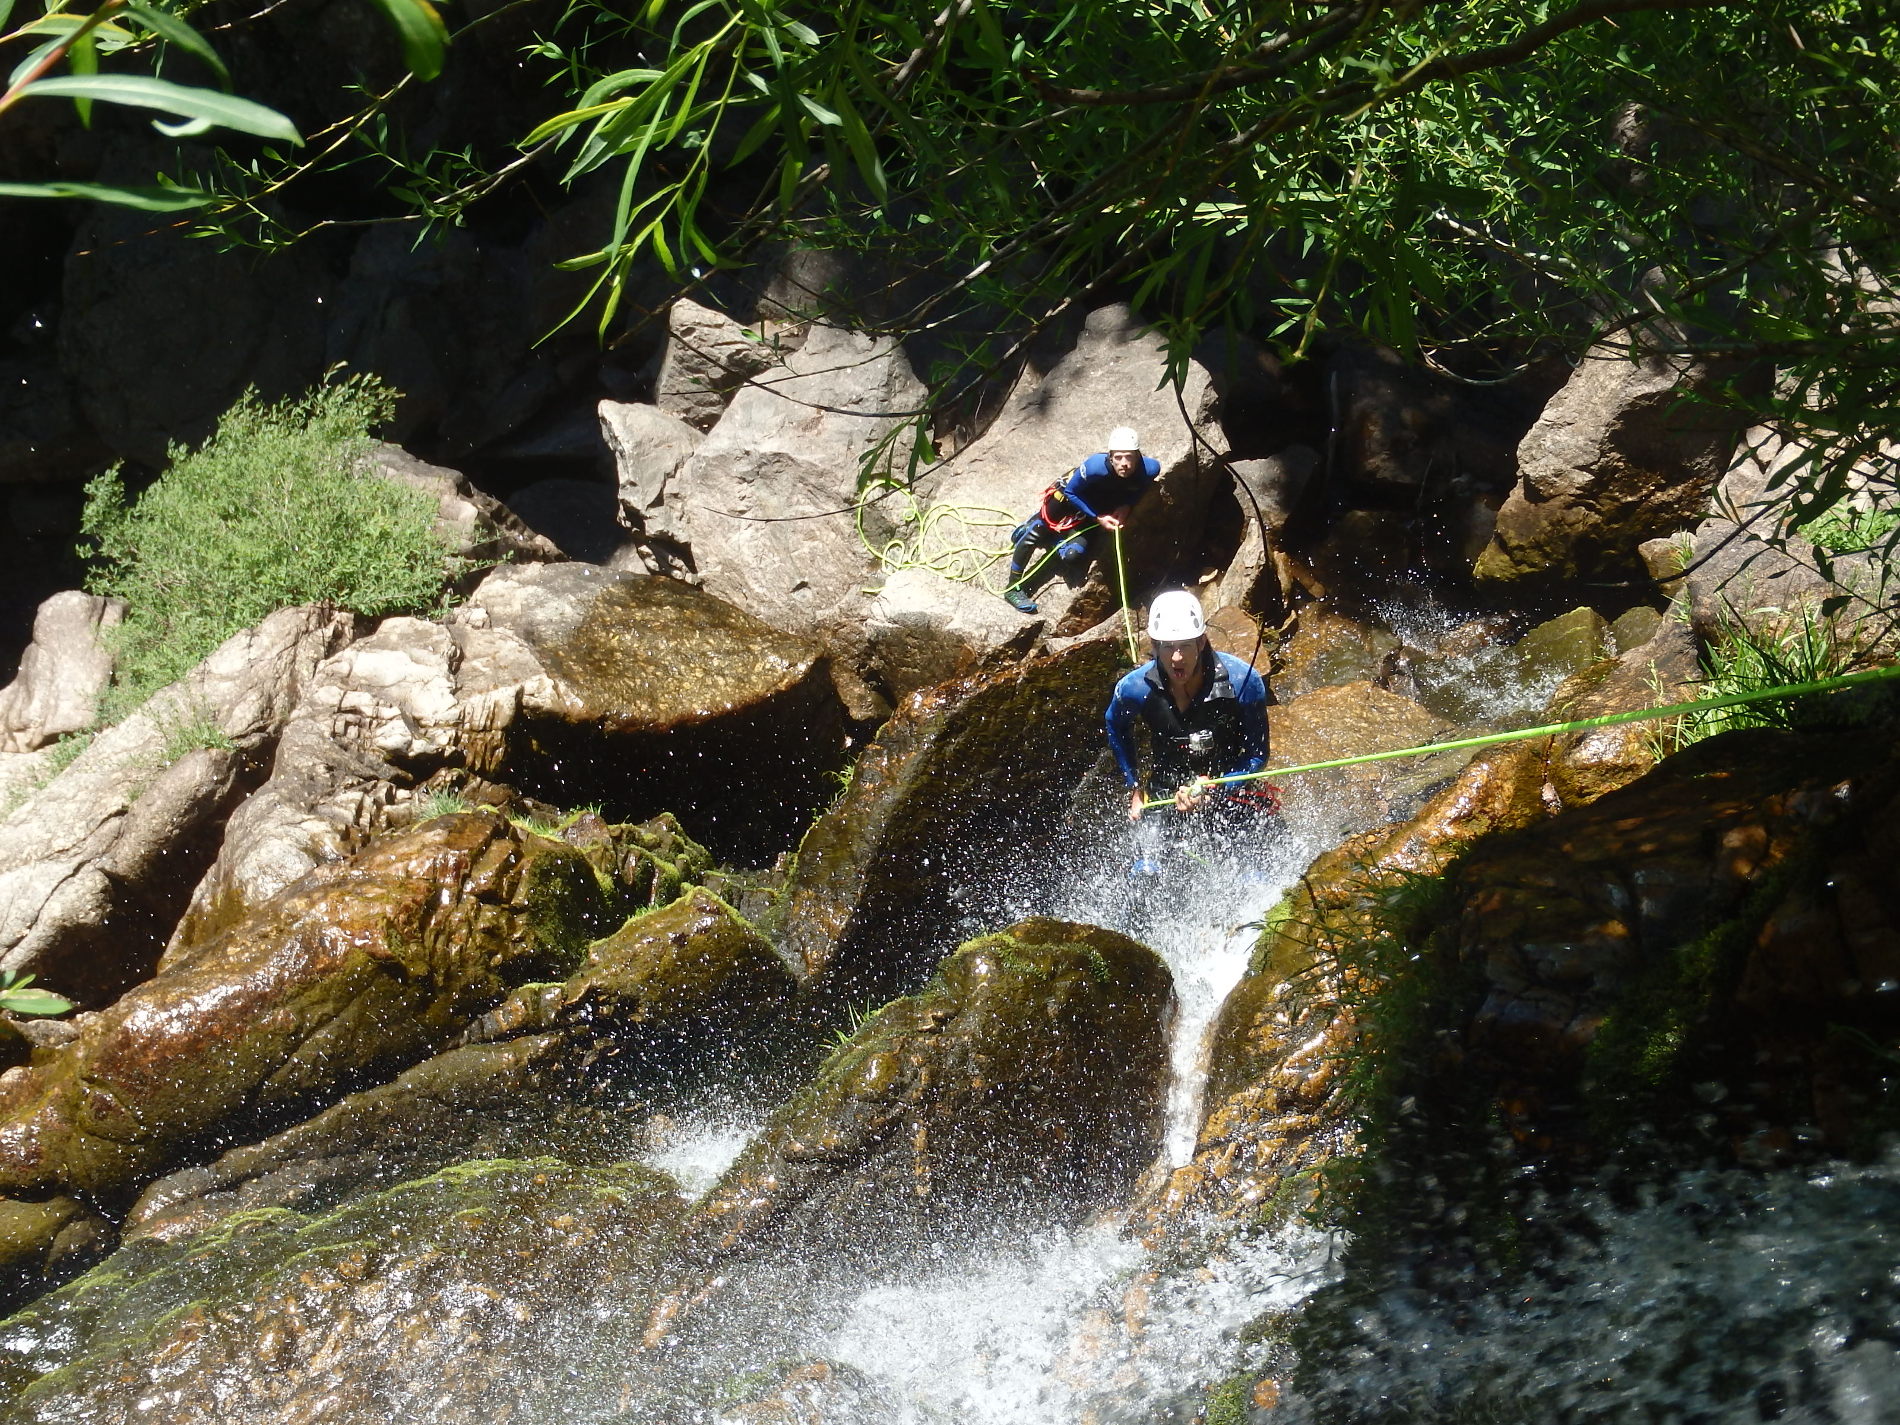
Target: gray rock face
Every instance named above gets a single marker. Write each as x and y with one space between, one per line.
598 684
62 674
475 525
649 446
95 865
708 356
766 500
1748 567
1621 455
938 613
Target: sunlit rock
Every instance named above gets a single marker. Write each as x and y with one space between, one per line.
485 1292
942 799
1022 1086
96 864
1053 419
677 995
1624 453
576 684
1329 648
708 356
359 970
63 672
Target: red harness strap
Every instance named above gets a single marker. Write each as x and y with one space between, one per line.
1054 501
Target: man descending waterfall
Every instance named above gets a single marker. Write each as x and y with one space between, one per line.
1101 488
1206 714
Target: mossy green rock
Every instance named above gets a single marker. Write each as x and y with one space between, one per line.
481 1293
1023 1085
688 974
360 969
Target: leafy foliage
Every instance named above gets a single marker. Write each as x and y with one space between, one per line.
79 39
17 996
273 510
1805 646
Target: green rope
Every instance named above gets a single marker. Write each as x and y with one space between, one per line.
1128 622
1727 700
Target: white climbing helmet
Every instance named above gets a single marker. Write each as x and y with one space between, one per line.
1175 617
1123 438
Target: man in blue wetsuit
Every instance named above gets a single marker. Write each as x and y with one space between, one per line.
1206 714
1101 488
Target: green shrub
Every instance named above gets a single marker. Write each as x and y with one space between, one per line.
273 510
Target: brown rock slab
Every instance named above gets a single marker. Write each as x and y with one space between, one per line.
361 969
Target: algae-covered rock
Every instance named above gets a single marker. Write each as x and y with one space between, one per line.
691 977
1022 1086
960 784
360 969
484 1292
679 993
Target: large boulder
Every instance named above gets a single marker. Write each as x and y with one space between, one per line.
768 500
431 1300
680 993
580 684
352 974
97 864
1116 375
63 672
1351 720
1022 1087
1627 451
708 356
968 779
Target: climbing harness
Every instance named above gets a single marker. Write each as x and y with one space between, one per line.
1726 700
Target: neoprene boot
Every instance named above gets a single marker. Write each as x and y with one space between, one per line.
1018 600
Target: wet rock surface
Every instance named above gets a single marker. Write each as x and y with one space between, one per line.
361 969
580 685
947 787
1022 1086
473 1295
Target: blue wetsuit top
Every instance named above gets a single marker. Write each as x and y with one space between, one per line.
1099 491
1223 731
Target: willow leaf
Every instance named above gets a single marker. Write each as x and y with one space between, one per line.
177 33
141 91
424 37
150 200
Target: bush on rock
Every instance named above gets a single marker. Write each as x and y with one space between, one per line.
275 509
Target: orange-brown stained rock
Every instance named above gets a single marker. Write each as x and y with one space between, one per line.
361 968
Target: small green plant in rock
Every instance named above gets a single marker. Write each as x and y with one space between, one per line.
275 509
436 804
1847 528
191 729
17 996
1804 647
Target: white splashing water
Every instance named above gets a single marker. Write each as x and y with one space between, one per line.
697 1150
1045 1335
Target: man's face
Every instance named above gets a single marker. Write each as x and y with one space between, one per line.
1123 462
1179 660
